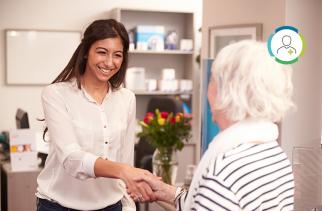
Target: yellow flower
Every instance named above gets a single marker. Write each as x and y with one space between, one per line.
179 116
161 121
143 124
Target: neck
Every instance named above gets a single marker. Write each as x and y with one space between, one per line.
97 90
222 121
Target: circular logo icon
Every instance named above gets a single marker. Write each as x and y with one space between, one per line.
286 44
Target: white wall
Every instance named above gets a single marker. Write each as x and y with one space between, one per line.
303 127
229 12
59 15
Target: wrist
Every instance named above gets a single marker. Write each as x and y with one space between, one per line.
169 192
172 192
109 169
178 193
121 170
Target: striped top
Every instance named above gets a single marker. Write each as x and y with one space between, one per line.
248 177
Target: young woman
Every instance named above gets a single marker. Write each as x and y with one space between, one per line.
91 121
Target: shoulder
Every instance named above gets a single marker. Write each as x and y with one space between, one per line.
125 93
60 87
246 158
227 162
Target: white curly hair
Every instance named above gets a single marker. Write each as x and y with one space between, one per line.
250 83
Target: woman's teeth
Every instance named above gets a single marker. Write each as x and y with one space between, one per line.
104 70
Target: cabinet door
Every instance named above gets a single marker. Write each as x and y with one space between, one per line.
21 189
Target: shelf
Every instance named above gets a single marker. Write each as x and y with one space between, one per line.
147 93
161 52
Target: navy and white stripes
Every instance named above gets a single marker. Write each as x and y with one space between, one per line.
249 177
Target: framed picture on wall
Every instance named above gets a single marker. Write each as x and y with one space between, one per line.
220 36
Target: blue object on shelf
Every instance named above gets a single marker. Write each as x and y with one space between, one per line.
186 108
149 37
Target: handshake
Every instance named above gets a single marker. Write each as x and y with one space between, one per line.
143 186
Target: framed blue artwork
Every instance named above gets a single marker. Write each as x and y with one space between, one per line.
208 129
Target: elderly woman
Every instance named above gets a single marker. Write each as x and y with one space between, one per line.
244 167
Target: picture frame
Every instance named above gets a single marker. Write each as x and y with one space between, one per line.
220 36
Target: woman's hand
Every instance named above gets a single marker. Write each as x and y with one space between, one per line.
139 191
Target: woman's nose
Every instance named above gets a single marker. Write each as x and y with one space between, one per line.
109 61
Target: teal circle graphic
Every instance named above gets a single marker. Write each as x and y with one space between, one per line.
286 44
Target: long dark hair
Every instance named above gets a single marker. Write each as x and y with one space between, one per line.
98 30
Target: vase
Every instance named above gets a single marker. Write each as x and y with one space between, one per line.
165 164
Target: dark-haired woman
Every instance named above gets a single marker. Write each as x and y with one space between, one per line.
90 118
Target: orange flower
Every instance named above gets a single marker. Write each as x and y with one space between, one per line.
148 117
179 117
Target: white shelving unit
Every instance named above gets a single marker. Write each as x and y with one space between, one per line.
154 61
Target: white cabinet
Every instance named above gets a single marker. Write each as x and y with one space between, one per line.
18 189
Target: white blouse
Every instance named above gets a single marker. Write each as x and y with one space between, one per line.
80 131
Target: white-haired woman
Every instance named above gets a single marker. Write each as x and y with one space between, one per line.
244 167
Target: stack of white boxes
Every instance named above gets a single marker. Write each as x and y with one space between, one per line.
168 83
134 79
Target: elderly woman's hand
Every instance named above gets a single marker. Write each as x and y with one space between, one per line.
162 191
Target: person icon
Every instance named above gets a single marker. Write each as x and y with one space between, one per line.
287 40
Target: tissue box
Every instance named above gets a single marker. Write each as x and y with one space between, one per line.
134 78
168 85
185 85
149 37
168 74
186 45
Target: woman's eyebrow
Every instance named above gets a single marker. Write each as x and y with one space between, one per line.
102 48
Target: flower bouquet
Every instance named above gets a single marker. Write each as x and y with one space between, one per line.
167 133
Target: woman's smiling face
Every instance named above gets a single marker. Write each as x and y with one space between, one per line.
104 59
